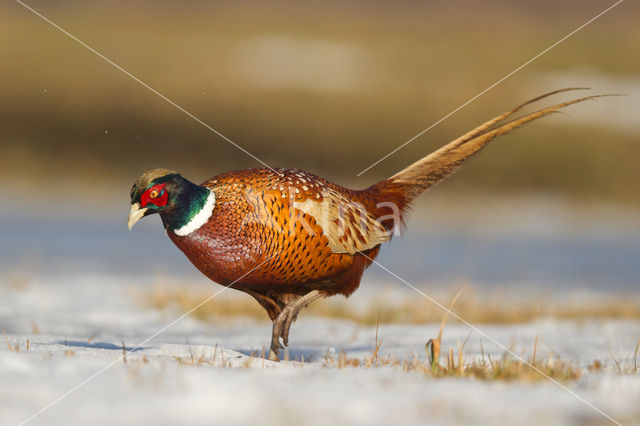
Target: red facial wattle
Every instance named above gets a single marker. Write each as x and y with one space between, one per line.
160 199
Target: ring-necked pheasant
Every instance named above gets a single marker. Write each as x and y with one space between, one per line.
287 237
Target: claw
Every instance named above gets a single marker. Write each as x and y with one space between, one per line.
287 326
282 323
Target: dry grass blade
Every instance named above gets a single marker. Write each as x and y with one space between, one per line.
617 365
433 345
124 353
378 343
6 339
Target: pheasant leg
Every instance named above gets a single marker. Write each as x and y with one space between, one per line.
296 307
282 323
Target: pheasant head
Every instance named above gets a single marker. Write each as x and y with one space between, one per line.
182 205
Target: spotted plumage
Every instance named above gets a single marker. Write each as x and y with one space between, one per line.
287 237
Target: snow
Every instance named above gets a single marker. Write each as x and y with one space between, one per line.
76 325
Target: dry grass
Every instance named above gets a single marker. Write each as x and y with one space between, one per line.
494 308
507 368
16 346
202 360
628 369
256 359
68 352
184 300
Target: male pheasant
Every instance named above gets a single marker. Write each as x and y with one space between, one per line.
288 237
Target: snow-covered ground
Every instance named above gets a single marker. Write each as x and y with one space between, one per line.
73 371
70 284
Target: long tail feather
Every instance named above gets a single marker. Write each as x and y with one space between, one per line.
425 173
403 187
486 126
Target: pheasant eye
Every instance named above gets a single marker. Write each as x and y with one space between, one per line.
156 195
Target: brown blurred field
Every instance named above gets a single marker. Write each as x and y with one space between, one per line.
329 87
478 306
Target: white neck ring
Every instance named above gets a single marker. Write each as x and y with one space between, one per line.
200 218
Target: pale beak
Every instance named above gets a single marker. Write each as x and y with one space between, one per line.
135 214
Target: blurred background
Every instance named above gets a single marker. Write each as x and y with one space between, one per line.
329 87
